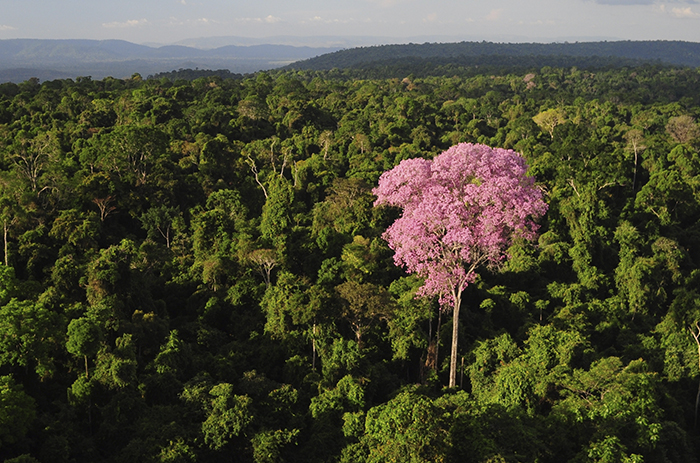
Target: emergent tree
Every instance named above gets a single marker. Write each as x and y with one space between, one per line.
461 210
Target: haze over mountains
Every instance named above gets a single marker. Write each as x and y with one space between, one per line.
343 41
21 59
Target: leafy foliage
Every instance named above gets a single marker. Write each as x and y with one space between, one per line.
195 269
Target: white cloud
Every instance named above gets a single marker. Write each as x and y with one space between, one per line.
684 13
494 15
269 19
624 2
385 3
431 18
640 2
126 24
320 20
173 21
5 27
176 22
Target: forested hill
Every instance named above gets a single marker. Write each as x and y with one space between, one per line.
669 52
195 272
21 59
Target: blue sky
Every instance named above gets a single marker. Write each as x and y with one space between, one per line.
169 21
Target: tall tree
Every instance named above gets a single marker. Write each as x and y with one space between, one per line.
549 119
461 210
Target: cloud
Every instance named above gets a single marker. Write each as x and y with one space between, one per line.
176 22
385 3
684 13
639 2
126 24
494 15
5 27
431 18
269 19
320 20
624 2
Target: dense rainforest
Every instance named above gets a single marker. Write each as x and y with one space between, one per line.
194 271
671 52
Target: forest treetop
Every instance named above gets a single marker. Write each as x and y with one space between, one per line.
192 269
489 53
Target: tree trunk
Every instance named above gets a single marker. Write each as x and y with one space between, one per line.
634 178
437 339
431 361
697 403
696 336
455 334
4 236
313 347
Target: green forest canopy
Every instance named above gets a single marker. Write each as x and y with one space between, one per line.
573 54
194 269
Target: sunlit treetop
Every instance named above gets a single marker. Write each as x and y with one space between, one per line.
461 210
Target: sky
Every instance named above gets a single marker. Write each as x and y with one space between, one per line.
171 21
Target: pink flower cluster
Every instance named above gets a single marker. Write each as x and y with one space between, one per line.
460 210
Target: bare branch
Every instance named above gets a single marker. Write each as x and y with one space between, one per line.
254 169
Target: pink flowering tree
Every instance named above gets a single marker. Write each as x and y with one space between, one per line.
461 211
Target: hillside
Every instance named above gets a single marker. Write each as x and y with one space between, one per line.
21 59
476 53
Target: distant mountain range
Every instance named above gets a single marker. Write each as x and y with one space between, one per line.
348 41
667 52
21 59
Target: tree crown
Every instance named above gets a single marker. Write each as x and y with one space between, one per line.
461 209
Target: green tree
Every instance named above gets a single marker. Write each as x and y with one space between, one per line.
549 119
84 339
17 411
221 237
276 218
363 305
159 222
287 305
28 336
228 416
408 428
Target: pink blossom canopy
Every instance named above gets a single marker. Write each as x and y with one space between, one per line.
460 210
